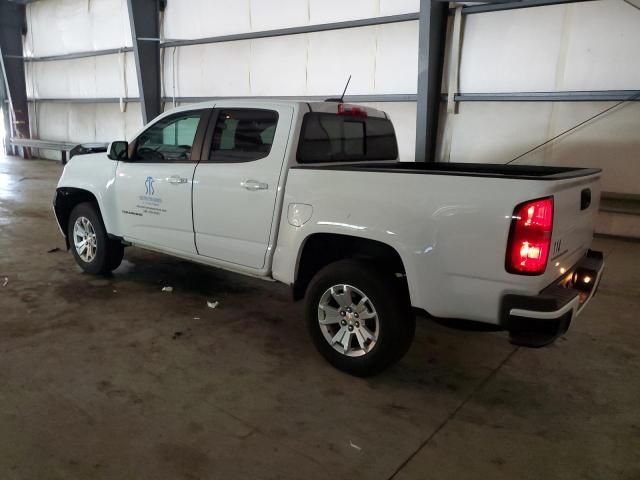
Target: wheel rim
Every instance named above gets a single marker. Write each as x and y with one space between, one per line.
84 239
348 320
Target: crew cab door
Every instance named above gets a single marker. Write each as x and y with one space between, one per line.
153 188
235 188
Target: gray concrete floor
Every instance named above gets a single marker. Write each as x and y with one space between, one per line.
96 383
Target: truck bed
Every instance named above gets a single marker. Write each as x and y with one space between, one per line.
523 172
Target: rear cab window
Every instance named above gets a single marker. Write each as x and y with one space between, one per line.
330 137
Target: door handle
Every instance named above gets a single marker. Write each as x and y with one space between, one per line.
254 185
177 180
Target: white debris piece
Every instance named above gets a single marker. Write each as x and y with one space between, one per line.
167 289
5 281
213 304
353 445
196 318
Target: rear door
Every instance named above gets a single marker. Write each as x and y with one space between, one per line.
235 187
153 188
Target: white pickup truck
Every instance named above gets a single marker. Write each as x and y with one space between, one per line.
312 195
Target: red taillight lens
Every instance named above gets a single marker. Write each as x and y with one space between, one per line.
351 110
530 237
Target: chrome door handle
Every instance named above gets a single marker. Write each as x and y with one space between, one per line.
176 180
254 185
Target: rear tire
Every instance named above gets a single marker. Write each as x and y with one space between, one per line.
92 248
358 317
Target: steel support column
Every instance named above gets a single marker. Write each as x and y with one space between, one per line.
12 24
432 40
144 17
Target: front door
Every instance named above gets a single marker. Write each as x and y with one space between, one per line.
235 189
153 188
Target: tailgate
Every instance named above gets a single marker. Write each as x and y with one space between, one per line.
576 205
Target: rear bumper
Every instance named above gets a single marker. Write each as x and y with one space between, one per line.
549 313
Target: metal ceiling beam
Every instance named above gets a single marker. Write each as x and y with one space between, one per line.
75 55
431 45
562 96
324 27
570 96
364 22
144 17
497 7
12 24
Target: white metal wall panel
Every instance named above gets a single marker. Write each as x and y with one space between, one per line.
603 46
610 142
206 18
90 77
273 14
511 51
325 11
82 122
64 26
381 59
225 68
397 7
95 122
53 121
396 58
279 66
333 56
498 132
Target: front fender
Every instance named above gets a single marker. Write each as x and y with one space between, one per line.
94 174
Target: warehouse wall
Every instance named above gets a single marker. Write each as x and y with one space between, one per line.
572 47
586 46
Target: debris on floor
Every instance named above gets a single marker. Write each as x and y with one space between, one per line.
53 250
213 304
167 289
178 334
353 445
5 281
196 318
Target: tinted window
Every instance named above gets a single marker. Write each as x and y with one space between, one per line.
169 139
327 137
243 135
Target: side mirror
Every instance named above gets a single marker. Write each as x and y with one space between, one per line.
118 150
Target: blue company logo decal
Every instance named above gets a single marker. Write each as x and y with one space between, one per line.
149 184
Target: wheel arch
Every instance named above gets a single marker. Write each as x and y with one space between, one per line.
66 199
321 249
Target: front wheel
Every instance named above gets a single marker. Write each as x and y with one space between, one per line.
358 317
92 248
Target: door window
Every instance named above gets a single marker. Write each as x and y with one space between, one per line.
170 139
243 135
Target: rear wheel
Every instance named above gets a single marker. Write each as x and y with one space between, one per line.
358 317
92 248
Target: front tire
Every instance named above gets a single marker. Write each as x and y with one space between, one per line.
358 317
92 248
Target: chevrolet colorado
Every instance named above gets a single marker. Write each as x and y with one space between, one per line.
312 195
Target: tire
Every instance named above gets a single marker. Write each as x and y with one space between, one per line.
104 254
384 320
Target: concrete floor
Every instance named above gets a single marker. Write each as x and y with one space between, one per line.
114 379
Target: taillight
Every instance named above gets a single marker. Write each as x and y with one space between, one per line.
530 237
351 110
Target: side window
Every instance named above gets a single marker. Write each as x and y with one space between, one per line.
243 135
169 139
